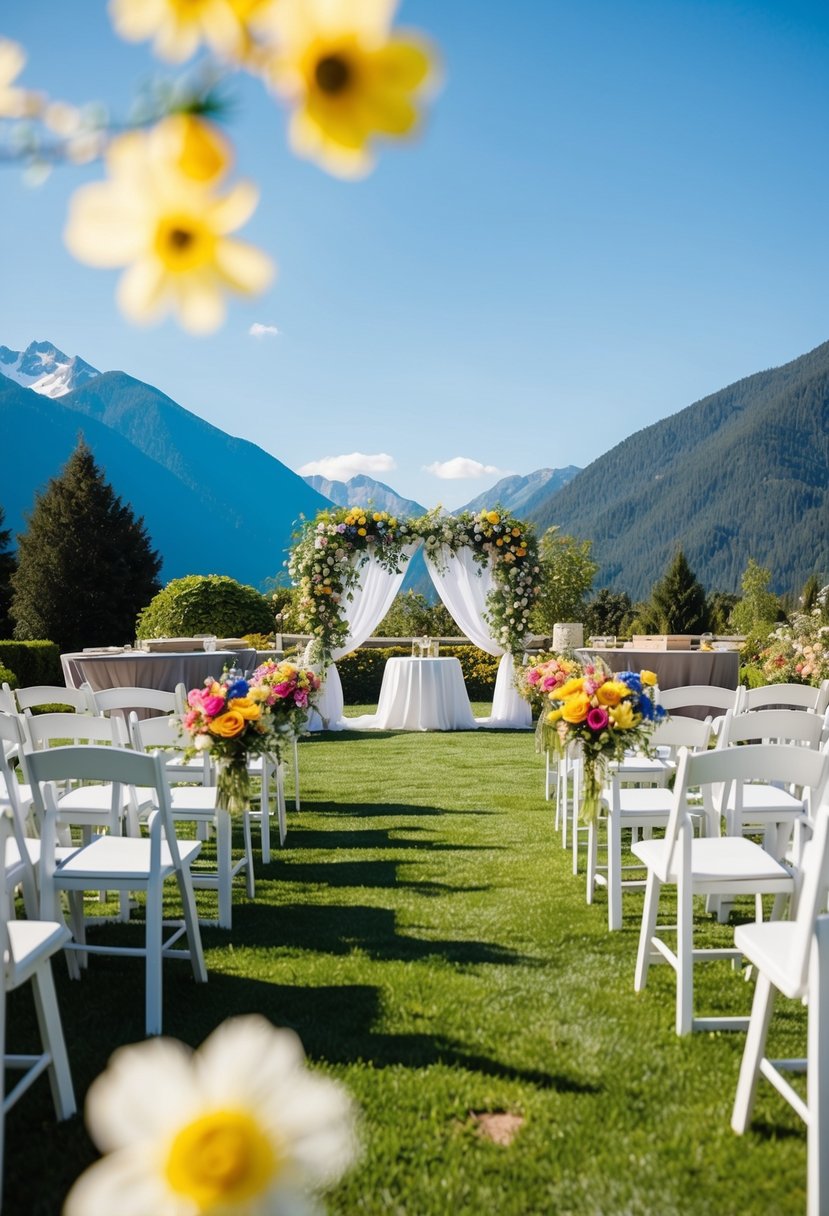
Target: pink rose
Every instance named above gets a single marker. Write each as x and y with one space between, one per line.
213 705
190 719
301 698
283 690
195 698
533 677
597 719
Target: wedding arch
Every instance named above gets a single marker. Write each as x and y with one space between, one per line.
349 563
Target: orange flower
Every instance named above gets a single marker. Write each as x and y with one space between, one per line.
246 707
228 725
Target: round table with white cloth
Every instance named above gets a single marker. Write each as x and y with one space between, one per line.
420 694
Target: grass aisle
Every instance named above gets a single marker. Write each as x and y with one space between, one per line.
424 935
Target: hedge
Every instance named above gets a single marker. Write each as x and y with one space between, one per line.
205 603
361 672
7 677
32 662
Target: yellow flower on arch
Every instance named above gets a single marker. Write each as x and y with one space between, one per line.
348 78
168 227
14 101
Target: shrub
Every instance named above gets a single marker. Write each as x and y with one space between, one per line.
32 662
361 672
7 677
205 603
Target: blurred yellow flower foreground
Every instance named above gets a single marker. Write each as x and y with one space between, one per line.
161 216
348 77
237 1128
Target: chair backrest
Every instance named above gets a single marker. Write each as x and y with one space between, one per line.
693 696
155 732
772 726
682 732
48 730
8 705
54 694
791 696
107 699
781 763
118 765
814 874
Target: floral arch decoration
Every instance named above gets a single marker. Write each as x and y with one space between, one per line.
325 565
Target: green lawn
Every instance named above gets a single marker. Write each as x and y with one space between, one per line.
423 933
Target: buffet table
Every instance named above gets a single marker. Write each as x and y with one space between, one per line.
420 694
674 668
137 669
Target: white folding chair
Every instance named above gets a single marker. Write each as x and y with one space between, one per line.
714 865
702 697
8 705
55 694
26 948
120 863
156 700
787 696
635 806
772 810
197 804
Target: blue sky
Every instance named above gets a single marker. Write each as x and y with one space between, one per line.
616 207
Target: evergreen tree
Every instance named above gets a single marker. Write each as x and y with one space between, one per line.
7 566
678 600
85 563
809 594
608 612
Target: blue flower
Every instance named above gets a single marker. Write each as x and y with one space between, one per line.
239 688
631 678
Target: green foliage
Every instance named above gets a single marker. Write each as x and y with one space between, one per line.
33 663
7 569
721 604
678 600
809 594
567 573
608 612
85 563
361 672
760 608
205 603
8 677
283 606
411 616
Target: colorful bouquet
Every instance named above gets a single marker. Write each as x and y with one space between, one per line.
234 719
535 682
798 652
605 713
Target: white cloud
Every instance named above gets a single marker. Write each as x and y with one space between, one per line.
342 468
460 468
257 330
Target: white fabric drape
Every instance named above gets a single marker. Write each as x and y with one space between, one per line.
373 596
463 585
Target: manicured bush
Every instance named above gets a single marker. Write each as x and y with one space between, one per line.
361 672
205 603
32 662
7 677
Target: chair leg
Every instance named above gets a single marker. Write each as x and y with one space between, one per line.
685 960
153 961
191 922
52 1040
653 888
249 875
265 811
818 1074
755 1049
296 774
281 817
614 872
224 865
592 853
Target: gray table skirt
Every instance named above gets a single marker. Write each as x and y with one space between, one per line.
675 668
139 670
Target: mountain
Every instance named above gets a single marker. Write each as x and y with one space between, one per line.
45 369
518 495
212 504
363 491
742 473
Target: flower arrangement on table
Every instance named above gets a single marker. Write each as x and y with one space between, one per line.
235 719
325 564
509 546
539 680
606 713
798 652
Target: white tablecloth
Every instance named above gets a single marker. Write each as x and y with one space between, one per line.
420 694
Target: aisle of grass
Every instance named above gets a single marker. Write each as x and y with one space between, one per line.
423 934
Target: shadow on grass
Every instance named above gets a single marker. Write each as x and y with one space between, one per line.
343 928
376 838
373 874
335 1024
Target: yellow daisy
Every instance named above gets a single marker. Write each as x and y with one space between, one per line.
170 231
179 27
347 77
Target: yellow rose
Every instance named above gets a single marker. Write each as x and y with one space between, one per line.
554 715
377 516
246 706
362 520
648 677
361 531
612 692
622 716
569 687
493 517
228 725
576 708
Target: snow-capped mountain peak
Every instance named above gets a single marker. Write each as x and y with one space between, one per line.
45 369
